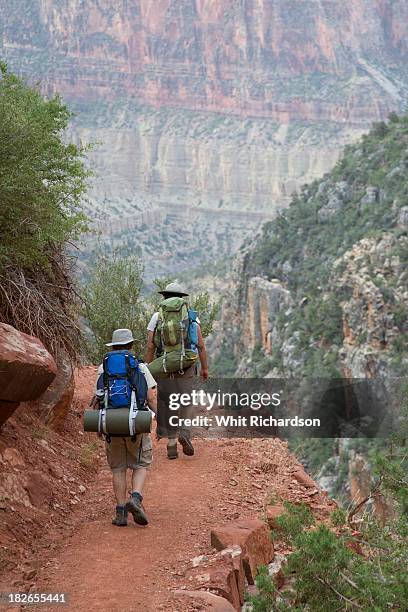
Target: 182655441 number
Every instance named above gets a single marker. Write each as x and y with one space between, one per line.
33 598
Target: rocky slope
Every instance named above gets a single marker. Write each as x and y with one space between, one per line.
43 477
324 288
323 292
223 103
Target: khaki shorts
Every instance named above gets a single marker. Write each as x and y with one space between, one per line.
122 453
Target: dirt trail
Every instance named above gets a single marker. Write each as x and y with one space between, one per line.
102 567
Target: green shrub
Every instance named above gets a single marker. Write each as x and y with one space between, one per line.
113 298
326 571
43 180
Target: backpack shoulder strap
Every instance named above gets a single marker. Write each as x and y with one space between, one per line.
192 315
137 378
105 370
128 366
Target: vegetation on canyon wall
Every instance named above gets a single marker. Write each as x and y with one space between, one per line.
340 252
310 245
43 180
337 568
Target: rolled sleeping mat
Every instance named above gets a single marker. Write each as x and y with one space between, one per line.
117 421
169 364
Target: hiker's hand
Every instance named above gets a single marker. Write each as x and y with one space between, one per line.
204 374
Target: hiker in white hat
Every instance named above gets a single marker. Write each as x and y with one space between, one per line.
177 353
123 453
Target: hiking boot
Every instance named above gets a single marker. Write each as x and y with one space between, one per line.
188 448
134 506
172 452
120 519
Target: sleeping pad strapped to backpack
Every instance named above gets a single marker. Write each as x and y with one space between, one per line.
122 392
176 337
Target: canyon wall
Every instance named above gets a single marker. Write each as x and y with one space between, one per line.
321 295
212 102
267 58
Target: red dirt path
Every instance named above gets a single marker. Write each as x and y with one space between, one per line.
102 567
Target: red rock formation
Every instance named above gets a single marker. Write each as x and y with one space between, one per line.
54 403
252 536
219 575
26 369
220 56
212 602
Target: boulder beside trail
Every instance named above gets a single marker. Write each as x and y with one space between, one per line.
220 575
209 600
55 402
252 535
26 369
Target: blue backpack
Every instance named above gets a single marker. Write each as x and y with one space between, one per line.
122 375
192 329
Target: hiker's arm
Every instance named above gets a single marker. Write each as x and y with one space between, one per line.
152 399
202 353
150 347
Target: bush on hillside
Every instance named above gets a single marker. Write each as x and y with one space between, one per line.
112 300
326 571
301 245
42 182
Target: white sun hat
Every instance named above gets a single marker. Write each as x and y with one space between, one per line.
121 336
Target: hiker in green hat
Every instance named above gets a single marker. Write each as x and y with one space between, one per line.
175 339
123 453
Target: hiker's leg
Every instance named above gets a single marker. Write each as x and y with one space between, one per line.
183 383
119 486
187 412
140 455
163 413
138 479
172 431
116 456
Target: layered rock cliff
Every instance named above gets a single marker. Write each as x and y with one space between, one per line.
322 293
218 55
220 103
330 273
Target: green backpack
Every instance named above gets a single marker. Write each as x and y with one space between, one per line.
171 337
172 326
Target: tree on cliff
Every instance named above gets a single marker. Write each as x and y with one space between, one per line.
43 179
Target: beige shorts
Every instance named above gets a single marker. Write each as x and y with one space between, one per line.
122 453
